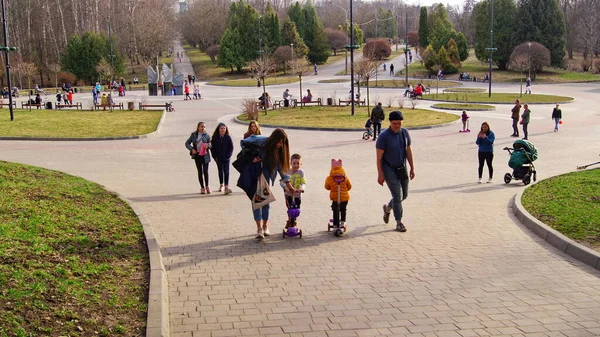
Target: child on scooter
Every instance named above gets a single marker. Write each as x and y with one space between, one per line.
339 212
298 182
464 117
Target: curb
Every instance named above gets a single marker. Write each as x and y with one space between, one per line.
451 109
157 320
553 237
504 103
158 127
236 120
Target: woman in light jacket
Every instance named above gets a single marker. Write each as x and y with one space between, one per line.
199 145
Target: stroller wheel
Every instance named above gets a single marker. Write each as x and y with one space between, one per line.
534 176
526 179
507 178
329 227
366 136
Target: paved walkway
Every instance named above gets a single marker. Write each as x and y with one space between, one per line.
464 268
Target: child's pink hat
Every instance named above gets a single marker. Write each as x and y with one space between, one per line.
336 163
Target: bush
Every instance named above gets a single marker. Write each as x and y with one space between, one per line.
213 52
377 49
586 64
250 109
597 67
67 77
572 65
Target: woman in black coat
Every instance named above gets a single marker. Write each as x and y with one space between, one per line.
221 150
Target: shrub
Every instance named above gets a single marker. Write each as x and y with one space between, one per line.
586 64
213 52
250 109
597 66
67 77
377 49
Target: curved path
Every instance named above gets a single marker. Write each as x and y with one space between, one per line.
465 267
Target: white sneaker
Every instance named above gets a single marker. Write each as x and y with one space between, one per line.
221 188
260 234
266 231
490 181
479 181
343 224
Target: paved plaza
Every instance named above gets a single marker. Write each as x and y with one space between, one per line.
465 267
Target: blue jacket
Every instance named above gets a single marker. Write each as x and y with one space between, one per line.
260 142
486 144
222 148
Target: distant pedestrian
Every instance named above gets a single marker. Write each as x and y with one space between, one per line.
392 69
485 141
377 116
525 119
186 91
384 67
409 56
528 86
557 116
515 112
316 68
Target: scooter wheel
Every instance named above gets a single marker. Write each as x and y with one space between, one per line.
345 228
328 227
366 136
284 233
338 232
300 233
507 178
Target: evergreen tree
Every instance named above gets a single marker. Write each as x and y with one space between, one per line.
296 14
271 31
315 36
289 35
387 23
89 49
230 55
440 27
423 29
359 35
462 44
453 53
543 21
430 58
243 39
505 21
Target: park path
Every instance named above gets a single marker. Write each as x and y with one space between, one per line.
465 267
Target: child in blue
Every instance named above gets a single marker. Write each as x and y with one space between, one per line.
298 182
368 125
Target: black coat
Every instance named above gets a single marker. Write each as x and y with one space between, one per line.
556 113
222 148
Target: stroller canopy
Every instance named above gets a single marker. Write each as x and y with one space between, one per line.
524 153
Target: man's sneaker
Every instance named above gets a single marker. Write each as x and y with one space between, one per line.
266 231
479 181
260 234
386 213
400 227
490 181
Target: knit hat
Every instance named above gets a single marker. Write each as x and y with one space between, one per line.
336 163
396 116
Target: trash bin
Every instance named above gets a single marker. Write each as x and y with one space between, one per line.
49 105
258 83
130 105
329 101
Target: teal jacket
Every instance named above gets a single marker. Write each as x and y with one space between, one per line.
525 116
195 139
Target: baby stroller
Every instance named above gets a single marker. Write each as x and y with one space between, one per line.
522 156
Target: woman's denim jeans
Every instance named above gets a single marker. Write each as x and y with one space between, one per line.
261 213
399 190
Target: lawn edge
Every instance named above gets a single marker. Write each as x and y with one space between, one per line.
459 109
71 139
505 103
553 237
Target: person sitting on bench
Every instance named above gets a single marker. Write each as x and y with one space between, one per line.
418 91
308 97
38 99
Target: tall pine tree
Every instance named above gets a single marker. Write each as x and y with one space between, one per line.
290 35
423 29
505 22
315 36
543 21
296 14
271 31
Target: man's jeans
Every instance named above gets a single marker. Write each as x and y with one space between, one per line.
515 127
376 130
399 190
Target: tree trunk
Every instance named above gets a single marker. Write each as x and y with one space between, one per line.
75 18
62 22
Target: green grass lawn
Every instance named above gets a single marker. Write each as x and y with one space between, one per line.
249 82
469 90
78 124
570 204
337 80
399 82
73 258
339 117
459 106
496 98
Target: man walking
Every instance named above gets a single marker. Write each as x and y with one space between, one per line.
377 116
392 69
516 113
393 150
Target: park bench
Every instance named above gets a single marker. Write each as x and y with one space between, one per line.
29 105
348 102
317 102
14 104
143 106
77 105
259 105
110 106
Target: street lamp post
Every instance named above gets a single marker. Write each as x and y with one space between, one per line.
352 46
6 49
529 61
347 28
491 48
292 46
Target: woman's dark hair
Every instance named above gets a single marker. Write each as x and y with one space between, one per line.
488 125
217 134
278 156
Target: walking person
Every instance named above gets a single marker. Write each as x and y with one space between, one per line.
221 150
199 145
253 129
557 116
392 69
528 86
525 119
377 116
393 151
516 112
485 141
186 91
271 156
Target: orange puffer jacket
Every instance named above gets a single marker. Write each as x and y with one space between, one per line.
332 186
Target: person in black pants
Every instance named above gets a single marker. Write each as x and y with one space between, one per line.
485 140
377 116
199 145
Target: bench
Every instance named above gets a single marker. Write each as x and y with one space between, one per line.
7 104
142 106
348 102
317 102
426 90
77 105
110 106
25 104
260 106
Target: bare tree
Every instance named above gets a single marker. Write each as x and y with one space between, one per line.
537 56
520 62
28 70
300 67
283 55
262 68
105 71
337 39
366 68
55 68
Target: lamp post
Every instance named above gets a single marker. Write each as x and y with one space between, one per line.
352 47
491 48
347 28
529 60
406 47
6 49
292 46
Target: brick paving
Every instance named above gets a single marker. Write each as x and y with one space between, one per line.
465 267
